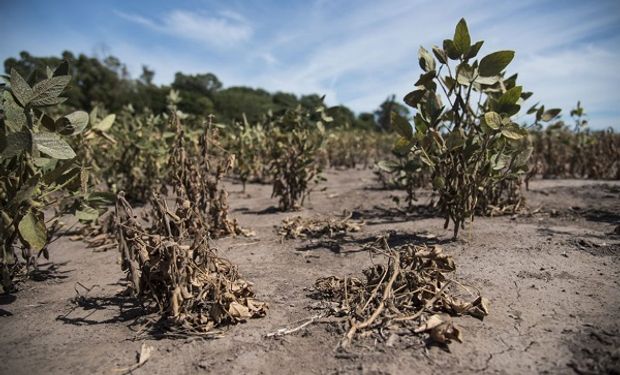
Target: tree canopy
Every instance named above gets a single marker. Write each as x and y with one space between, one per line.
106 81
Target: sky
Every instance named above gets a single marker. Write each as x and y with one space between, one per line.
357 53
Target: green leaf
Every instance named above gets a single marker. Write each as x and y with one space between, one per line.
105 124
550 114
73 123
433 105
439 183
421 126
465 74
47 91
413 98
493 120
511 96
462 40
523 156
450 49
33 232
14 116
16 143
539 112
93 115
500 161
473 51
53 176
402 146
53 145
401 126
26 191
88 214
533 108
489 81
48 123
426 60
494 63
440 54
526 95
20 88
513 131
426 78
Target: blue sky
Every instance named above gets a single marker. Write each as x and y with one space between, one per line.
355 52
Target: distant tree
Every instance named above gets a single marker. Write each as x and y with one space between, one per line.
366 120
205 84
105 80
233 102
284 100
197 92
342 116
147 75
310 101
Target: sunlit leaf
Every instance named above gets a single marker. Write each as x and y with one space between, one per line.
53 145
494 63
32 230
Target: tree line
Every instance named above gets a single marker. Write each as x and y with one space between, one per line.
106 81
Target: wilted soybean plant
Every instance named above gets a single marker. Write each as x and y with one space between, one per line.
296 137
36 162
471 144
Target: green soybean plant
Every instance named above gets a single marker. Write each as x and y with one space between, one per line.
36 166
464 129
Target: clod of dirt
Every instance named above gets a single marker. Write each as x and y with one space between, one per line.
404 294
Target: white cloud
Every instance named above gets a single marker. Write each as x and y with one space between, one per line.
228 29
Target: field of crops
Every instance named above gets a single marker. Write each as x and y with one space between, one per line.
451 236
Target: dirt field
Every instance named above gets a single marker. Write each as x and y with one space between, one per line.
553 279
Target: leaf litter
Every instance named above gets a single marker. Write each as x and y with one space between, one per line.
300 227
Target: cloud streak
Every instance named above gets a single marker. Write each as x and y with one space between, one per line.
225 30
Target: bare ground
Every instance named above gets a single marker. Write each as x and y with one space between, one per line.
553 279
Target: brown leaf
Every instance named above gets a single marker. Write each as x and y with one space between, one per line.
239 311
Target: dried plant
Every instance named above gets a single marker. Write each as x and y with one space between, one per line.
296 138
578 152
354 148
196 178
171 265
249 143
299 227
408 291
